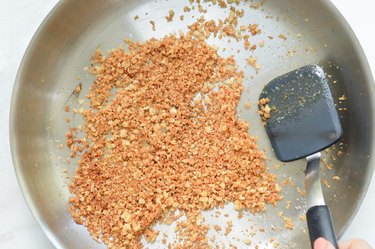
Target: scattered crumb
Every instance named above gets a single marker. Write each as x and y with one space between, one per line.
252 48
257 5
328 165
291 53
325 182
247 241
153 25
301 192
187 9
222 4
288 223
240 215
252 61
276 244
217 228
277 166
336 178
201 10
254 29
228 229
283 36
288 204
170 16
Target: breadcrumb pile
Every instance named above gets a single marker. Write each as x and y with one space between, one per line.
161 134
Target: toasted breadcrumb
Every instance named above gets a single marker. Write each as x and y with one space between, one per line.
252 61
325 182
254 29
229 227
153 25
187 9
288 205
283 36
217 228
157 146
170 16
77 89
276 244
264 109
222 4
151 235
288 223
328 165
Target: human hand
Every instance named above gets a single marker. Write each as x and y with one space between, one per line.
350 244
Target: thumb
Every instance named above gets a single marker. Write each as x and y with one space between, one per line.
322 243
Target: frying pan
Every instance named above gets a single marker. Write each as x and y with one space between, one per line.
316 34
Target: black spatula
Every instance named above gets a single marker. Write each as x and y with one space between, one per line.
302 123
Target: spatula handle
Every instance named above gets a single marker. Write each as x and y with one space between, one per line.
320 225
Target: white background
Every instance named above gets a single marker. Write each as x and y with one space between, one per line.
19 19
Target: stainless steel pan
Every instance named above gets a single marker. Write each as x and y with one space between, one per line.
62 47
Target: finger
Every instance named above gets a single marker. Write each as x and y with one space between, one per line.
322 243
354 244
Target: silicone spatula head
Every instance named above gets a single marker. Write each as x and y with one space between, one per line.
303 119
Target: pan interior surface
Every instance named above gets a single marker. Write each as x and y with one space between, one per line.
316 34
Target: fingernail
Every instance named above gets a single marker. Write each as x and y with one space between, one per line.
329 245
322 243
